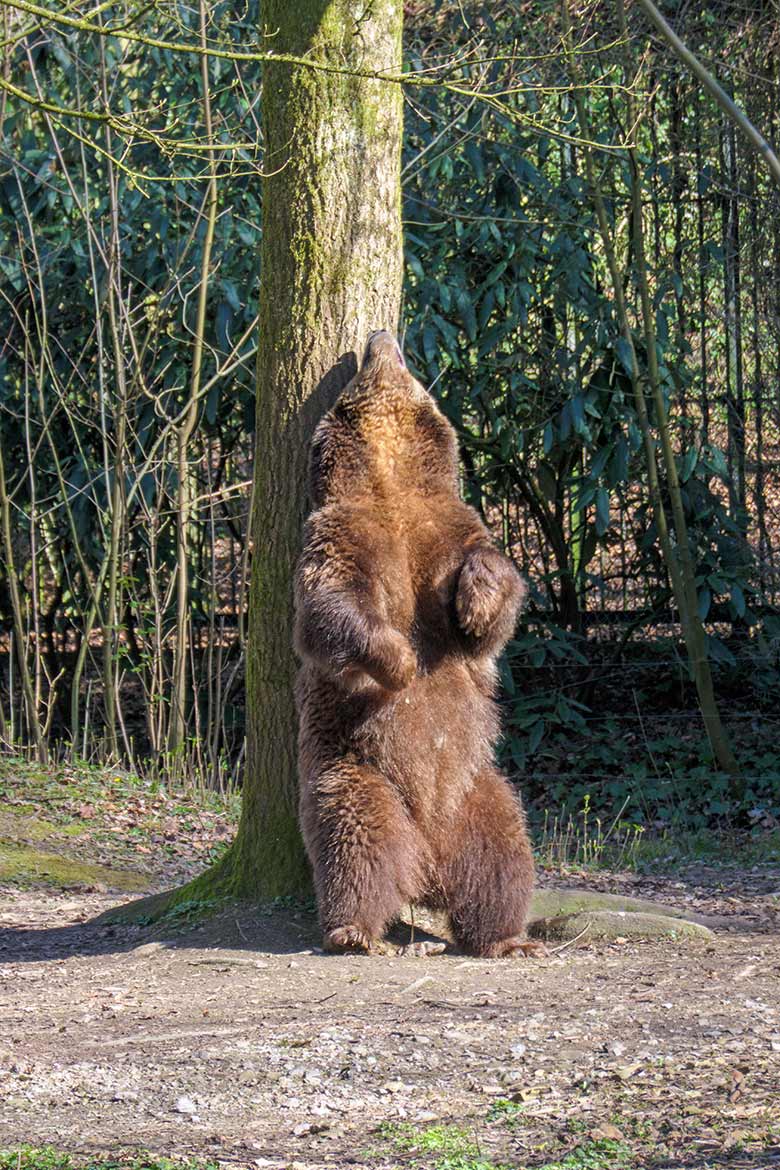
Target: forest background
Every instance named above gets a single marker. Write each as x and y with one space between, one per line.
541 159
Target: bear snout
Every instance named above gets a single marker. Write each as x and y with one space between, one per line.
382 344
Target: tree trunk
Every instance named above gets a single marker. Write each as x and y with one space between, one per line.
735 383
701 216
331 269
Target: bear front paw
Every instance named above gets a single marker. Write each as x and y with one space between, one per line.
487 584
396 662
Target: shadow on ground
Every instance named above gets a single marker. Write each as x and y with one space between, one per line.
261 930
269 931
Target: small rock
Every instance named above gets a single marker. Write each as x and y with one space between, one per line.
186 1105
148 949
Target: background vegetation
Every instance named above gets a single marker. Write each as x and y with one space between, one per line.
129 236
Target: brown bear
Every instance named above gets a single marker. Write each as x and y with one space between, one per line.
402 606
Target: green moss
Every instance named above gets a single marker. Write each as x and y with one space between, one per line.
73 830
22 865
16 825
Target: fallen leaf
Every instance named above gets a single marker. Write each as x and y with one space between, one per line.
606 1133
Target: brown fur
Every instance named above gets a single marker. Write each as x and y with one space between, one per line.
402 606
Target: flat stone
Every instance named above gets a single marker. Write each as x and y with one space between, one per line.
608 925
553 903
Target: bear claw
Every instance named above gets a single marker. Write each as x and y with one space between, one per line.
347 940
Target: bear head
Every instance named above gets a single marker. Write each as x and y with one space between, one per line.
385 436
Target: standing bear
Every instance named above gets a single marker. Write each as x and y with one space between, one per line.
402 607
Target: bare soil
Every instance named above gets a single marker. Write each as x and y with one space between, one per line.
237 1041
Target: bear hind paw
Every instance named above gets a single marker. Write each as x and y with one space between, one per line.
515 948
348 940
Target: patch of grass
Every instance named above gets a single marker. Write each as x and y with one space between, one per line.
586 840
295 904
441 1139
46 1158
441 1147
509 1113
596 1155
461 1162
61 788
22 826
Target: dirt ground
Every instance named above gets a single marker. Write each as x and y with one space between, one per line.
237 1041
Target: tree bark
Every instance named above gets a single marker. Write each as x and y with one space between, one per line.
331 270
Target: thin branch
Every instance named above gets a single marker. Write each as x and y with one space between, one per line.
729 107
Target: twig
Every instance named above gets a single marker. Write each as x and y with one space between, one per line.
570 942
